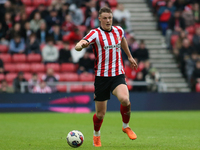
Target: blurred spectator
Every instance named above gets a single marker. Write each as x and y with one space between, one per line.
36 22
180 4
178 43
23 18
102 3
4 88
196 40
3 30
93 21
196 75
53 19
1 67
153 77
17 80
50 77
16 30
42 88
147 67
140 78
26 30
77 15
190 66
175 26
184 53
42 33
64 11
50 53
65 54
56 33
85 64
188 16
164 14
34 81
133 44
41 9
17 45
68 26
8 20
32 45
122 15
74 36
7 8
141 53
90 8
196 12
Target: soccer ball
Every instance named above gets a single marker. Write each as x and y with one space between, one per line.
75 138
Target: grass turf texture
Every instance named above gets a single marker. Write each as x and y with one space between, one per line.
174 130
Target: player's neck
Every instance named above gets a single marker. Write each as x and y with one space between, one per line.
106 30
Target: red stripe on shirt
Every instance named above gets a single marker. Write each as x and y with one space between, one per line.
110 55
89 35
96 53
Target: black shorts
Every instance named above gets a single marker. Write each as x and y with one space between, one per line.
105 85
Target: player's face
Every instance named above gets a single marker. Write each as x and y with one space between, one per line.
106 21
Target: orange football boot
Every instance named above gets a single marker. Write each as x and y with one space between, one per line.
130 133
96 141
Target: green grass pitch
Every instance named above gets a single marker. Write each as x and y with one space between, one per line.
173 130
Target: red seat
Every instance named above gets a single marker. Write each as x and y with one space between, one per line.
190 30
41 76
76 88
88 88
48 2
29 9
140 67
2 76
24 67
34 58
3 48
130 73
198 87
6 58
71 77
38 2
68 67
86 77
17 58
27 2
10 77
113 3
54 66
27 76
62 88
10 67
174 39
37 67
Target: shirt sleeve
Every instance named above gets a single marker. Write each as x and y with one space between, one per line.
121 30
91 36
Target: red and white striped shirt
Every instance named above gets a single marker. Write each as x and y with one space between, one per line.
38 89
107 51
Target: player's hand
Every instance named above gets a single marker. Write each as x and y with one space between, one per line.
133 63
85 44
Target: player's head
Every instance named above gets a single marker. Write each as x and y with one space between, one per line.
105 18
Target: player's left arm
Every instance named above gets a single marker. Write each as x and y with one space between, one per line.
124 46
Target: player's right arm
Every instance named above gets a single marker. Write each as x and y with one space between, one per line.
81 44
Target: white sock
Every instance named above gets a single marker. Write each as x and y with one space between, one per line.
96 133
125 125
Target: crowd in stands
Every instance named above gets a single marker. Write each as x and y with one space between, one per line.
179 21
37 39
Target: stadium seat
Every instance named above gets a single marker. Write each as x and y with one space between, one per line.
27 2
10 67
113 3
3 48
62 88
190 30
130 73
71 77
18 58
27 76
54 66
68 67
38 2
86 77
24 67
40 76
29 9
10 77
37 67
198 87
34 58
2 76
76 88
174 39
48 2
88 88
6 58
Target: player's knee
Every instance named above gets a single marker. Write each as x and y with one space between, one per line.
100 115
124 101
